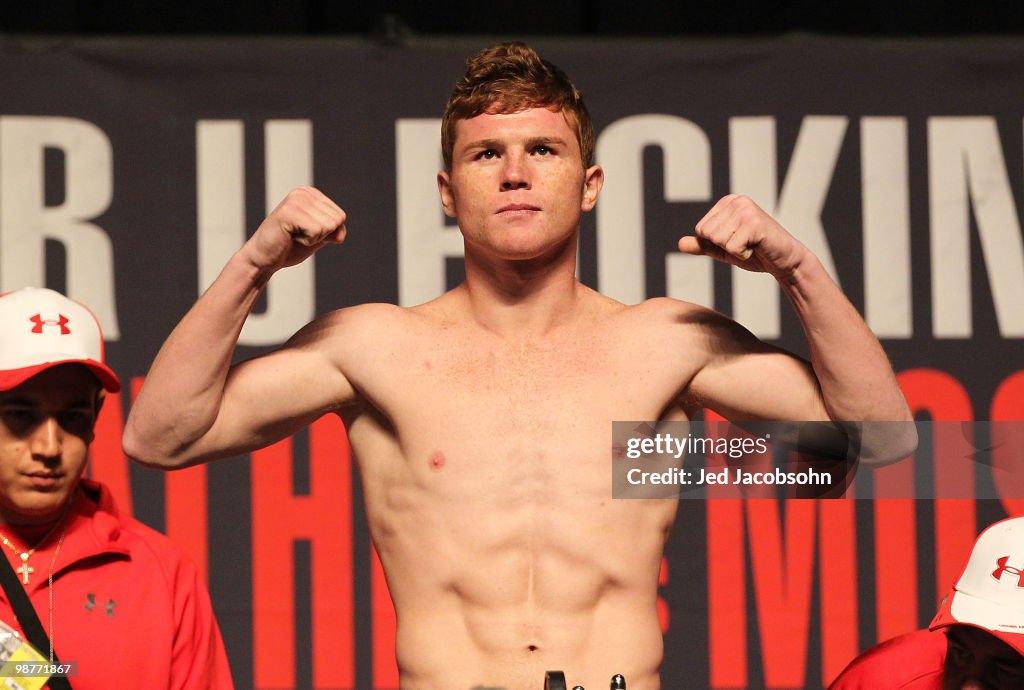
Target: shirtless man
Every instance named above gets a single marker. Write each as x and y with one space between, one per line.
481 420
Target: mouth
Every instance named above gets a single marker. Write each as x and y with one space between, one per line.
44 480
516 210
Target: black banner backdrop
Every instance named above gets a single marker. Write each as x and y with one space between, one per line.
131 169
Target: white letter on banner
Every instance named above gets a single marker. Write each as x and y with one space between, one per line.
620 213
965 159
26 222
752 165
424 239
886 210
221 223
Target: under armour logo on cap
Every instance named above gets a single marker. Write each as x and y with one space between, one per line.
39 322
1003 568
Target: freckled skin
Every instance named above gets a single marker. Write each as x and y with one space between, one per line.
519 193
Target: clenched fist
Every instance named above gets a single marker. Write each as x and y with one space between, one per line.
301 224
738 232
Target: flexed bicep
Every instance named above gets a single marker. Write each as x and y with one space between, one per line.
270 398
744 378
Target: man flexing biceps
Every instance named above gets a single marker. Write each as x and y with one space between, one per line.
480 420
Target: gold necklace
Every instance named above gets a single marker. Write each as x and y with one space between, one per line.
53 562
25 569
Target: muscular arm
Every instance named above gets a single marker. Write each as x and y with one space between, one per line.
849 378
194 406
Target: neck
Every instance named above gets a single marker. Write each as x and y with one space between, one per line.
31 531
525 297
27 537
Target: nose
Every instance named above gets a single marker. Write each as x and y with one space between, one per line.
48 439
515 174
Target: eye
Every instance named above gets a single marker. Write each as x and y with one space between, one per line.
542 150
20 419
487 154
76 421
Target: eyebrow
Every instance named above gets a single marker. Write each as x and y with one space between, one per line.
483 144
83 402
498 143
537 141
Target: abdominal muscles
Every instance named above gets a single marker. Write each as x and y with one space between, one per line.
504 581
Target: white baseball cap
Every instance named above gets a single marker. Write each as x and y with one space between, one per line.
41 328
990 592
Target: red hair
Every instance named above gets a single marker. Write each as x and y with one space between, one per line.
508 78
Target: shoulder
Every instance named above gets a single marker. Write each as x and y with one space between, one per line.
910 661
339 335
674 310
665 317
146 542
668 311
146 547
349 322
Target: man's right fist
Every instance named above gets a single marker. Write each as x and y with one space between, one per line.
301 224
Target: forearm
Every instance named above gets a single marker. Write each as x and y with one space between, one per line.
182 394
853 371
854 374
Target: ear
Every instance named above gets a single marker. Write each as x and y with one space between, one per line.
444 186
101 396
593 181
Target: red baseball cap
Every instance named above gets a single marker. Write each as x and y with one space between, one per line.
41 328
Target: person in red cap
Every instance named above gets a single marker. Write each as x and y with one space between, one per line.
975 642
119 602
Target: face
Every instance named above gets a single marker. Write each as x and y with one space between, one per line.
976 660
46 426
517 185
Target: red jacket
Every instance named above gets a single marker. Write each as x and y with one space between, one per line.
128 606
909 662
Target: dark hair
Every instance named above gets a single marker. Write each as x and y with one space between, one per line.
508 78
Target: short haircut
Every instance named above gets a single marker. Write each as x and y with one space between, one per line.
509 78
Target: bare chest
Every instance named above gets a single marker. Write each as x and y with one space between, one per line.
509 449
539 413
526 405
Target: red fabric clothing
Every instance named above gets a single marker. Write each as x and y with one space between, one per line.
127 605
908 662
